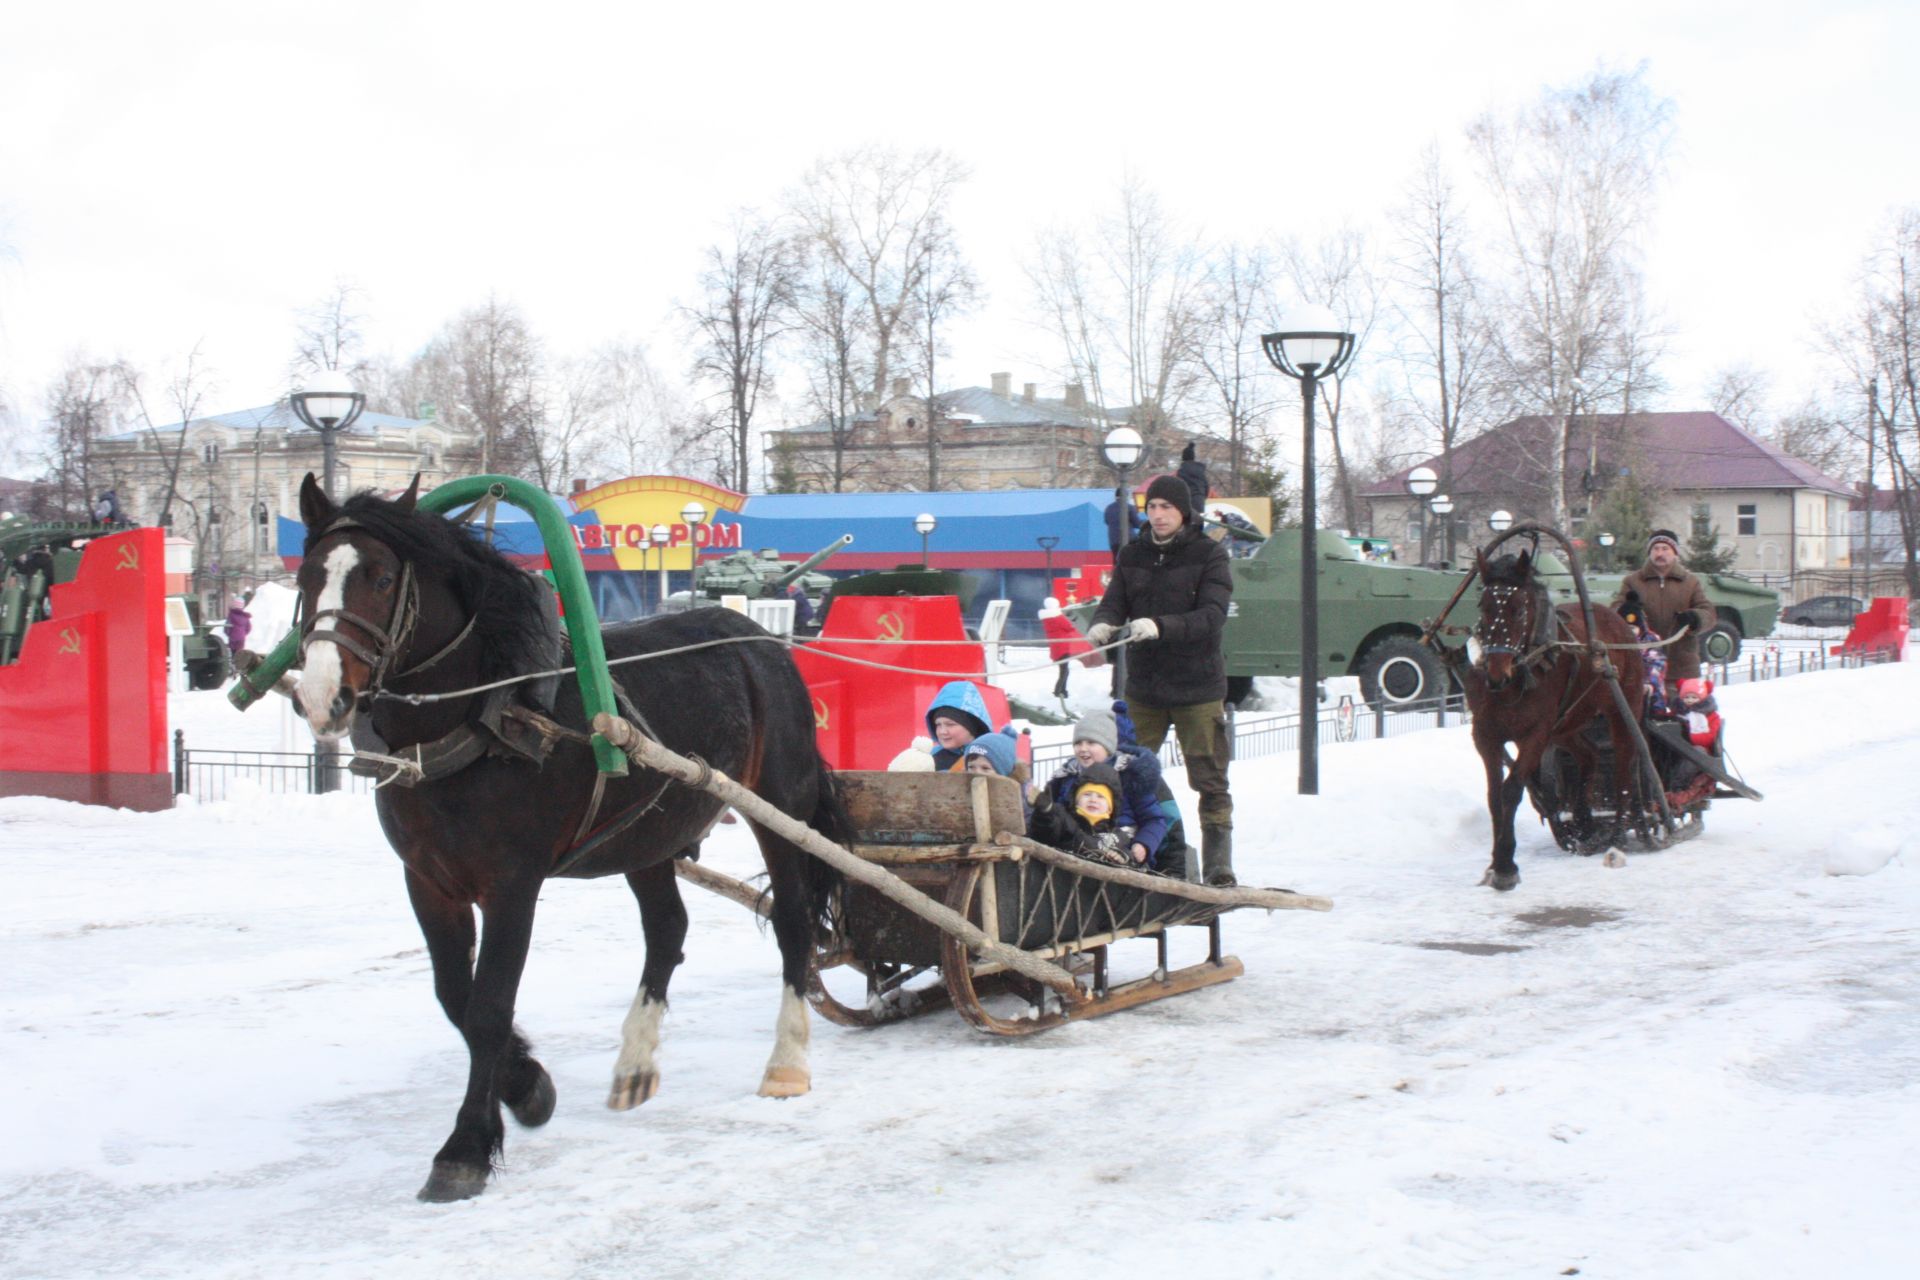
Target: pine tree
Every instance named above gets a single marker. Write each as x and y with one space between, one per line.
1705 554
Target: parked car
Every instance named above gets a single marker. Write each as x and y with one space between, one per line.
1823 611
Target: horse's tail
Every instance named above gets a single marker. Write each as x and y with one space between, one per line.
830 819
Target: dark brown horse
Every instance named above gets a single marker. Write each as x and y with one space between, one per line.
1534 684
399 602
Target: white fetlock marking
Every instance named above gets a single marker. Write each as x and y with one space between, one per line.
787 1072
1614 858
321 671
640 1038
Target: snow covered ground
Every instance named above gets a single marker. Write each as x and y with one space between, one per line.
224 1058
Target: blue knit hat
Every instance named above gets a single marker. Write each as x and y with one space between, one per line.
1001 748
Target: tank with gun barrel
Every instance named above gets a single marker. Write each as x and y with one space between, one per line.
763 575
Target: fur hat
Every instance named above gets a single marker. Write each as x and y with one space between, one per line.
1663 535
1049 608
1173 490
917 758
1098 726
1186 454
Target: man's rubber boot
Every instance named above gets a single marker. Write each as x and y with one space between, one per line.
1216 854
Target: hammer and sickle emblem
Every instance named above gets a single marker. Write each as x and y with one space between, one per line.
69 640
129 557
891 628
819 712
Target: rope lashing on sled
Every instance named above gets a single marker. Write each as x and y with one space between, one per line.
643 750
421 699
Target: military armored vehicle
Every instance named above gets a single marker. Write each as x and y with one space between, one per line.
763 575
1372 614
38 555
905 580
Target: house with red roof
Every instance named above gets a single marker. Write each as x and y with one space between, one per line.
1779 513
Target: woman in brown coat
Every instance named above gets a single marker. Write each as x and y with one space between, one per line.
1672 598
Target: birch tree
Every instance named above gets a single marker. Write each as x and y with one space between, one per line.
1573 176
746 297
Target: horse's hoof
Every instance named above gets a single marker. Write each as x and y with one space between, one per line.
450 1182
1614 858
630 1091
1501 880
536 1108
785 1082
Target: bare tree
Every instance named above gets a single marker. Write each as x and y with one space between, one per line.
947 288
745 304
1573 176
1738 393
872 211
1125 302
184 392
644 414
1445 345
330 334
1878 347
1336 273
481 373
1237 300
835 354
86 400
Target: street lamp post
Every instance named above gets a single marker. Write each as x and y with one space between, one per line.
1122 448
1500 521
1313 346
328 404
658 536
923 524
1422 481
693 513
1443 507
1048 541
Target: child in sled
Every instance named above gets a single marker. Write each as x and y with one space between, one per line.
1093 823
1702 717
1653 659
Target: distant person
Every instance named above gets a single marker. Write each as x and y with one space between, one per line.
1193 473
1123 520
106 509
802 607
239 623
1064 641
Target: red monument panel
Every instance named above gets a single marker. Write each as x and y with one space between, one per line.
83 711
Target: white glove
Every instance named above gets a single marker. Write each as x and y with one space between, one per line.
1142 629
1100 632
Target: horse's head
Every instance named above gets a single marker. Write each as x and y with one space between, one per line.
1514 612
358 605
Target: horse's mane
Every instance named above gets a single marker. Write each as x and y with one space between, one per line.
1508 571
515 630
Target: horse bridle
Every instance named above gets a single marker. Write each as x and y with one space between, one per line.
388 641
1500 639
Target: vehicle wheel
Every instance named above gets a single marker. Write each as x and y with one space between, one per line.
210 672
1239 689
1721 643
1399 672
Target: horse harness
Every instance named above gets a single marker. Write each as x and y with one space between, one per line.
1529 646
501 727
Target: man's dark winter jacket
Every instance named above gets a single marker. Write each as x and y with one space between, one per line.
1185 587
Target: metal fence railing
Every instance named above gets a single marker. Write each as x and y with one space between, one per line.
1351 720
210 773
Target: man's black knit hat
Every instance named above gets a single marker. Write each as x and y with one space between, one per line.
1174 490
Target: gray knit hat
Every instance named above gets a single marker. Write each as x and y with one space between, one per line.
1098 726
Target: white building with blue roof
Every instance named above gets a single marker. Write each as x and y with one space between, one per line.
235 473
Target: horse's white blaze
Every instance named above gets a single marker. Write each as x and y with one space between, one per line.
640 1038
320 680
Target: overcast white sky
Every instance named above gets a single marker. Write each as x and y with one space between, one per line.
195 172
